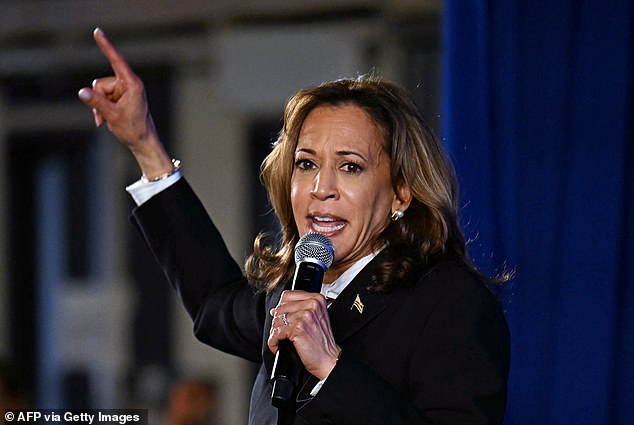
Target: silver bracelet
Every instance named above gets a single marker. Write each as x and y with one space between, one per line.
176 165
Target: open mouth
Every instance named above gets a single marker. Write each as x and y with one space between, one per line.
321 224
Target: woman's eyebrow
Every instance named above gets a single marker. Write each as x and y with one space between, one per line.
304 150
339 153
346 153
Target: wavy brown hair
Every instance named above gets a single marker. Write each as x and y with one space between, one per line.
428 232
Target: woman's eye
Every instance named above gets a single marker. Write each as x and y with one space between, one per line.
304 164
351 168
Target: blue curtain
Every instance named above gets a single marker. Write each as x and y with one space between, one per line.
538 116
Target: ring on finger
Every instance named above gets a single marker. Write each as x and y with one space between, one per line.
284 319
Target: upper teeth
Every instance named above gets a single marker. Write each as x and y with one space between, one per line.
324 218
326 229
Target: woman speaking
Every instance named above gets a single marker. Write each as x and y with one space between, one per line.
403 331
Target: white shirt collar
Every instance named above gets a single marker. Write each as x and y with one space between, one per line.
332 290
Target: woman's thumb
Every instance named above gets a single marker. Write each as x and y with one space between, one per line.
85 95
92 99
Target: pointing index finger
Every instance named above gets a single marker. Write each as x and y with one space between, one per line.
118 63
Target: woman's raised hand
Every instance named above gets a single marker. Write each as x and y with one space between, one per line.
120 102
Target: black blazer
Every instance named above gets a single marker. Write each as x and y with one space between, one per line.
434 353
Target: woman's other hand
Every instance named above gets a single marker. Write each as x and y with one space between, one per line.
302 318
120 102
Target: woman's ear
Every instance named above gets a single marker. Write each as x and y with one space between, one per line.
402 198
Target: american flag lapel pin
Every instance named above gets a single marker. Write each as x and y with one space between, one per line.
357 304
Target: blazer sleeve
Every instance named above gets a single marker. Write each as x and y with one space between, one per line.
456 372
227 313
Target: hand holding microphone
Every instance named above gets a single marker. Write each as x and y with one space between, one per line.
301 333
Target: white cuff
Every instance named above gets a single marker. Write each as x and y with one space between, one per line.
142 191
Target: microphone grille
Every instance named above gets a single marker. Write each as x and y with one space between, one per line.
315 246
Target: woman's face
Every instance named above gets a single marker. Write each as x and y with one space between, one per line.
341 185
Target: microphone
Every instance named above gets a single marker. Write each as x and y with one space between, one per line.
314 253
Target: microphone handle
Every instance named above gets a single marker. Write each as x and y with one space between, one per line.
287 366
308 276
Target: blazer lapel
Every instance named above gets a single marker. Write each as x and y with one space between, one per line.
355 306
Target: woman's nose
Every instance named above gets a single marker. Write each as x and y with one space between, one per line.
325 185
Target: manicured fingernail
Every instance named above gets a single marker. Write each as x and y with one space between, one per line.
84 94
96 117
98 31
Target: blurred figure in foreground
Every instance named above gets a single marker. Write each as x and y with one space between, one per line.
191 401
13 392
